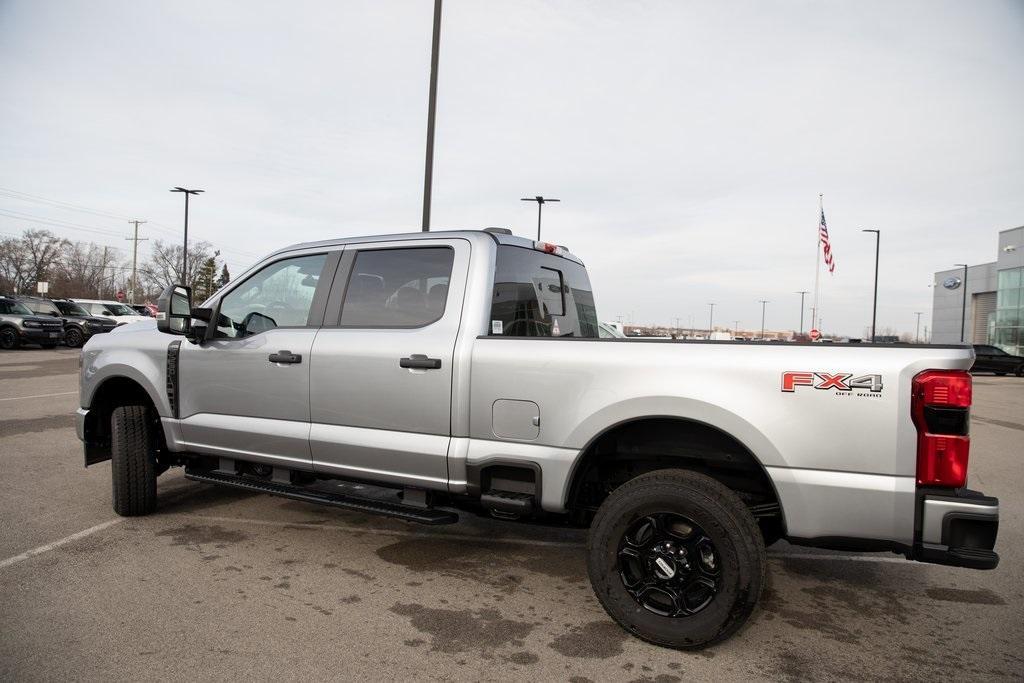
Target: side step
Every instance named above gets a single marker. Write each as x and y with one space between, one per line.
421 515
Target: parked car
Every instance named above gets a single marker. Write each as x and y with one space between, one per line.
449 370
145 310
989 358
19 325
121 313
78 325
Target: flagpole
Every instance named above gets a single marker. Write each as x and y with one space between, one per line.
817 264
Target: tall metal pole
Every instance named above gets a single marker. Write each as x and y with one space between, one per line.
917 330
874 306
963 307
735 327
764 304
184 248
541 201
802 293
135 258
428 172
711 320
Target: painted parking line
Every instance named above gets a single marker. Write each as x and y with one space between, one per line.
25 398
56 544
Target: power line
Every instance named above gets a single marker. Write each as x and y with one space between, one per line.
25 196
56 222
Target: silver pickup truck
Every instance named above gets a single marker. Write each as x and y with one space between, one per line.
424 374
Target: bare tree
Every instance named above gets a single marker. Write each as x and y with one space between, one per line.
15 266
164 265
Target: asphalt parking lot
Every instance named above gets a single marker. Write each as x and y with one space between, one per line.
225 584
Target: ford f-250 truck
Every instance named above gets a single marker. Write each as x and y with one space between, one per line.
464 370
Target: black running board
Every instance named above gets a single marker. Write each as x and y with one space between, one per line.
421 515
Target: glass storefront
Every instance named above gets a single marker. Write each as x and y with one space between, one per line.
1007 330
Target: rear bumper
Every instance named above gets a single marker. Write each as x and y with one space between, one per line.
958 529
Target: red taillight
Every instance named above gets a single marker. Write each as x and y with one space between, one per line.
940 401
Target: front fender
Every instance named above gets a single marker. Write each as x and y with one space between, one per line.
139 365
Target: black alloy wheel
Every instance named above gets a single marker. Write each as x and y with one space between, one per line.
74 337
669 565
8 339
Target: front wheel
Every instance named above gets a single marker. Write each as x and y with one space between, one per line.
9 339
74 338
676 558
132 462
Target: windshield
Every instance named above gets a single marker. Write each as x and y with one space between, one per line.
69 308
119 309
44 307
18 308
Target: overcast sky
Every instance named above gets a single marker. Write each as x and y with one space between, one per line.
687 141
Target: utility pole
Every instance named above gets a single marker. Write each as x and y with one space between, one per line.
735 328
541 201
917 330
874 306
711 321
963 308
802 293
99 280
764 304
135 258
428 172
184 247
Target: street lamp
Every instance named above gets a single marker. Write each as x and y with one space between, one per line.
711 321
874 306
428 173
184 247
963 306
764 304
802 293
541 201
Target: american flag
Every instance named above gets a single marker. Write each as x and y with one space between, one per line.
826 246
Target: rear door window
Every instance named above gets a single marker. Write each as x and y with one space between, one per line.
398 288
540 295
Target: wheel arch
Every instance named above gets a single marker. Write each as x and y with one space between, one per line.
738 454
110 393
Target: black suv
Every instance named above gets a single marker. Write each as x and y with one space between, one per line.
78 324
994 359
18 325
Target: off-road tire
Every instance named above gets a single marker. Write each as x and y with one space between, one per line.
132 462
9 338
723 517
74 338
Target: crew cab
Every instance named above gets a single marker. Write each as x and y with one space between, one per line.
424 375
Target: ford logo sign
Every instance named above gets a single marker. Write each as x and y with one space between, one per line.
951 282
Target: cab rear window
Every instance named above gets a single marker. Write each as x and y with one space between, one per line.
540 295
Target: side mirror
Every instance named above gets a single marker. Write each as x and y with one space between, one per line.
174 310
200 323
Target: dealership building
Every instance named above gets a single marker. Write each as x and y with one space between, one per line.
994 297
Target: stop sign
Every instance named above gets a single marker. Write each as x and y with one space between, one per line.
815 335
120 295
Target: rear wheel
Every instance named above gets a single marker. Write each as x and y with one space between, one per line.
132 462
676 558
74 337
9 338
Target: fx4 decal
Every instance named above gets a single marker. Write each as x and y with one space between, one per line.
840 381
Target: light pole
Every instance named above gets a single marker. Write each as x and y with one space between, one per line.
541 201
428 172
802 294
874 306
917 330
735 328
764 305
963 306
711 321
184 246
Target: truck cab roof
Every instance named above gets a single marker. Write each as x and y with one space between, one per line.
490 234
